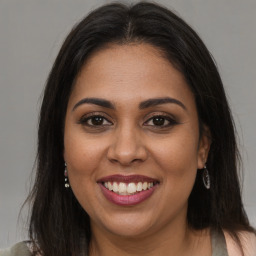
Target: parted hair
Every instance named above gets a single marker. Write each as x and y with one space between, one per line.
59 226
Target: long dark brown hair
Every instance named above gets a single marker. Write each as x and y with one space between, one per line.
59 226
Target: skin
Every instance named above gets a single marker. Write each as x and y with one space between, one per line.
248 241
128 142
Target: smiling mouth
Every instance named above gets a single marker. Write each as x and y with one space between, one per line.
128 185
131 188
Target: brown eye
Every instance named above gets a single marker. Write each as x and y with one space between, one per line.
95 120
159 121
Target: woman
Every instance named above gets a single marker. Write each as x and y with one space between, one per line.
136 151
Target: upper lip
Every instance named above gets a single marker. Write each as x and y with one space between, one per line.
127 178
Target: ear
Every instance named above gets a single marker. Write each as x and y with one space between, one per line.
204 147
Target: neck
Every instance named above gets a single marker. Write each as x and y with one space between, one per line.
172 239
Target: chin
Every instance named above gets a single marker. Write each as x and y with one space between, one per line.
127 225
130 231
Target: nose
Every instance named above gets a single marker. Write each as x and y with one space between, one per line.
127 147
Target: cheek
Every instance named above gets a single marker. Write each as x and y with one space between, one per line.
177 159
83 158
178 153
179 167
81 153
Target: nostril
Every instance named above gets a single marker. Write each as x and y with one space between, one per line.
126 155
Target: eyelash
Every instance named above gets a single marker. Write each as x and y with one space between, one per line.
88 118
171 121
85 119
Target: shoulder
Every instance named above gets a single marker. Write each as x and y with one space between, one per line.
248 241
19 249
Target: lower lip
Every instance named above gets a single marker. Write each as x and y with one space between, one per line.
127 200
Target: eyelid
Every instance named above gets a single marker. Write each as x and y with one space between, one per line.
86 117
162 114
167 116
172 120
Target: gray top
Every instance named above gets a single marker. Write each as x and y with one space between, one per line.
19 249
219 247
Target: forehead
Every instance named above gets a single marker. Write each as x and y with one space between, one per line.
129 72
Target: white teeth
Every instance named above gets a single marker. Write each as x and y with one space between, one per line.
110 186
115 187
122 188
144 185
139 186
131 188
127 188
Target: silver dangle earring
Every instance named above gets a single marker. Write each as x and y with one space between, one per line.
66 177
206 178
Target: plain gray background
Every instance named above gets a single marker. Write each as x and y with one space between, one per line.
31 33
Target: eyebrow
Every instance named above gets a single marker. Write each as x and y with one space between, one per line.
144 104
158 101
95 101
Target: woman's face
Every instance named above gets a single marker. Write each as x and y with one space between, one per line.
131 141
